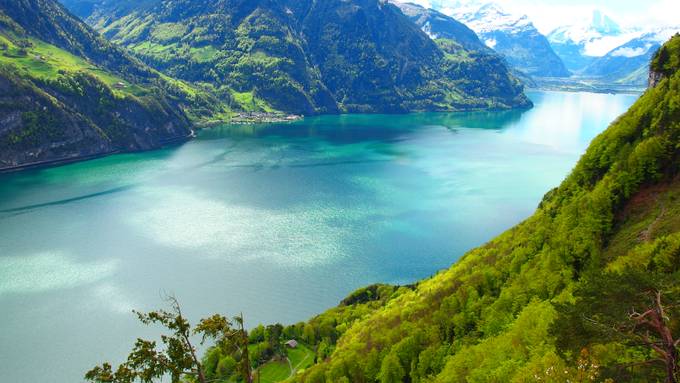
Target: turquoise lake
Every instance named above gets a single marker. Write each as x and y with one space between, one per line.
279 222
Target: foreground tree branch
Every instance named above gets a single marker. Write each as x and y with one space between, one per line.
177 359
654 321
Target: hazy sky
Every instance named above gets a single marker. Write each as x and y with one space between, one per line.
549 14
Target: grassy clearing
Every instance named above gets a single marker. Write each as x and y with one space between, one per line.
277 371
168 31
249 103
203 54
39 60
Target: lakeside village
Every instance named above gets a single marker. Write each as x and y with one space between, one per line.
263 117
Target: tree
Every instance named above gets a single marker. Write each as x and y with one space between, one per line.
391 370
635 308
662 58
652 327
177 359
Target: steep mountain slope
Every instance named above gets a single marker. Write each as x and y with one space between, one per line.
541 301
440 26
629 63
516 38
303 56
67 93
458 40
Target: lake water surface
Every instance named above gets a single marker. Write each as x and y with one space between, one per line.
279 222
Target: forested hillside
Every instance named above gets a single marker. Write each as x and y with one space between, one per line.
67 93
585 290
586 287
306 56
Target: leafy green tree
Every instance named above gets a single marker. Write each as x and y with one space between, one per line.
177 359
636 308
391 370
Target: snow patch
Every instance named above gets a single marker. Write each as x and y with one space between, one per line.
427 28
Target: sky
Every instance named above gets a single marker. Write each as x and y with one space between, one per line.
550 14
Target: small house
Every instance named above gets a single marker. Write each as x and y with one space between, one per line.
119 85
292 343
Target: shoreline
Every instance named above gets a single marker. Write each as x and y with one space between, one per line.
254 118
65 161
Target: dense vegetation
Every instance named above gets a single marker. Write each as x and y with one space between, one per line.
68 93
584 290
556 297
305 56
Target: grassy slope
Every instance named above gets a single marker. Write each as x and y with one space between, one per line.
42 61
493 316
70 47
277 371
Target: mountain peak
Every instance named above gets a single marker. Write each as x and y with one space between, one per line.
604 24
489 17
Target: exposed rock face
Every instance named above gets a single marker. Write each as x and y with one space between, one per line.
654 78
45 124
440 26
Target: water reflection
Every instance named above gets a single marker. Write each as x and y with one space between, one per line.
352 128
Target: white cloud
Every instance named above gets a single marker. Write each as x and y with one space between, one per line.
604 45
630 52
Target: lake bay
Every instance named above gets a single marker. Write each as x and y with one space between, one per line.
278 221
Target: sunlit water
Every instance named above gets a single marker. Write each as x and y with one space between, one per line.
280 222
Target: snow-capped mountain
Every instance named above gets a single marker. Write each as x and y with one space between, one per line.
513 36
440 26
629 62
579 44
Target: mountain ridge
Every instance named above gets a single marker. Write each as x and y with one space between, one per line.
515 37
70 94
282 50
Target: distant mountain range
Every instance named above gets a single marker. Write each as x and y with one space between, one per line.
600 48
515 37
629 62
595 48
581 43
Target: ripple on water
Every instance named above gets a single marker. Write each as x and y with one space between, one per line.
293 236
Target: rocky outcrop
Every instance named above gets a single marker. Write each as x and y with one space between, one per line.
654 78
43 124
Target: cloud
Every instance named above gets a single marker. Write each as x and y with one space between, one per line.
113 298
631 52
600 47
